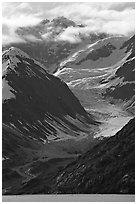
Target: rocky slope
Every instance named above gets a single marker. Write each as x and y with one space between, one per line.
38 111
122 82
101 54
33 99
107 168
103 73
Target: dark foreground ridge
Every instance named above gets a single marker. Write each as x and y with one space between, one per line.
108 168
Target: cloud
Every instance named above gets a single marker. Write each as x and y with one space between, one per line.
12 38
31 38
113 22
71 34
75 34
21 21
104 17
106 20
113 18
9 35
18 15
119 6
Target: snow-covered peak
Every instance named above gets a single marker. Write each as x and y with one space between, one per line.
13 52
10 58
13 56
62 21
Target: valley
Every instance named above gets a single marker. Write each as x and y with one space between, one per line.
54 118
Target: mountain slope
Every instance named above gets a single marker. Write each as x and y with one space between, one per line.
40 114
38 98
103 70
102 77
108 167
119 86
37 103
101 54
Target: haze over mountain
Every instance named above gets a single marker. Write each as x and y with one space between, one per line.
50 42
109 17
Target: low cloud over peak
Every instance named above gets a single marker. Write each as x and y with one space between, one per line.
113 18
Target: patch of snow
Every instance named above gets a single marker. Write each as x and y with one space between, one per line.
5 158
13 51
6 90
112 126
43 141
25 128
20 122
12 125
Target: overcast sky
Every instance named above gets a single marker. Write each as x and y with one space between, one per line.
115 17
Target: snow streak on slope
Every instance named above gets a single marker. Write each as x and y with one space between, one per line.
59 111
42 121
101 54
97 62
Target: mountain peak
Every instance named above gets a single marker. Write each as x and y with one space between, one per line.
45 21
63 21
13 51
60 18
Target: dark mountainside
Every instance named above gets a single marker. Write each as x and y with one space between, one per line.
37 103
37 95
125 89
108 168
38 109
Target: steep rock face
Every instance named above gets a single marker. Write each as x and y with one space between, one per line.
125 88
108 167
130 46
122 82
